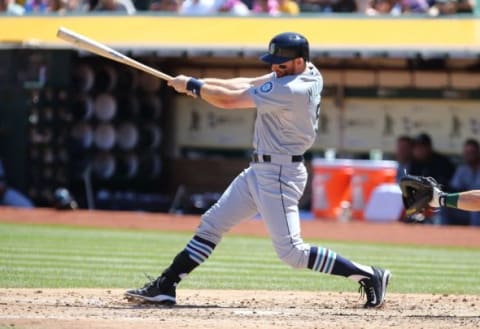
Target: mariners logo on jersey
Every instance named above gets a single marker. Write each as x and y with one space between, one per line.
266 87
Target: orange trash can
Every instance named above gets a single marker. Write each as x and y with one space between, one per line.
330 186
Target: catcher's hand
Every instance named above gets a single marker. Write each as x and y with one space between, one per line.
419 193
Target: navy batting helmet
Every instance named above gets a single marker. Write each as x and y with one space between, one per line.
286 46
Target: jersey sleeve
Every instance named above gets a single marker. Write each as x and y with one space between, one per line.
271 95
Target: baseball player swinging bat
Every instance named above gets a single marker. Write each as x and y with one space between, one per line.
82 42
287 102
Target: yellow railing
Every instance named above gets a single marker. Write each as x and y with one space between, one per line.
154 31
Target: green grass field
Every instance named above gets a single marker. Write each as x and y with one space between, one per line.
60 256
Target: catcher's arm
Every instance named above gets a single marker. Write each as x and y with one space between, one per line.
420 193
468 200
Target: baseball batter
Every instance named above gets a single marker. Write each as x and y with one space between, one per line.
288 106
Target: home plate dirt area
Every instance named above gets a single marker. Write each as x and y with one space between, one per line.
103 308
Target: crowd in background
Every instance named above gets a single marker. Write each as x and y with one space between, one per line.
418 156
239 7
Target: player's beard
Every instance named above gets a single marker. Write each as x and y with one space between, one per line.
284 69
283 72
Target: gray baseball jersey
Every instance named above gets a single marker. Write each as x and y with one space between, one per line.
287 112
287 115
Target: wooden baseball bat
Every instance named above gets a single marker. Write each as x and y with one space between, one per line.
82 42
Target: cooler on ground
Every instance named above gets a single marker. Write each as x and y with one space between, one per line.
338 180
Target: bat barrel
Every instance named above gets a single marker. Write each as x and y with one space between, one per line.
85 43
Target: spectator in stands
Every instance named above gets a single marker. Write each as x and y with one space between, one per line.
383 7
316 6
403 155
414 6
10 7
55 6
165 5
443 7
125 6
35 6
77 6
10 196
467 177
288 7
232 7
362 5
66 6
198 7
248 3
465 6
451 7
344 6
428 162
270 7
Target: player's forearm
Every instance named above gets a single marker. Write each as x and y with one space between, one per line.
221 97
469 200
215 95
232 84
239 82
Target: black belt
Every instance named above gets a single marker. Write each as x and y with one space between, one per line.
268 158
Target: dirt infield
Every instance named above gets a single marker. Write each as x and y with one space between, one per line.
215 309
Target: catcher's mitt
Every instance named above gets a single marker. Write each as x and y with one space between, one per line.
417 193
